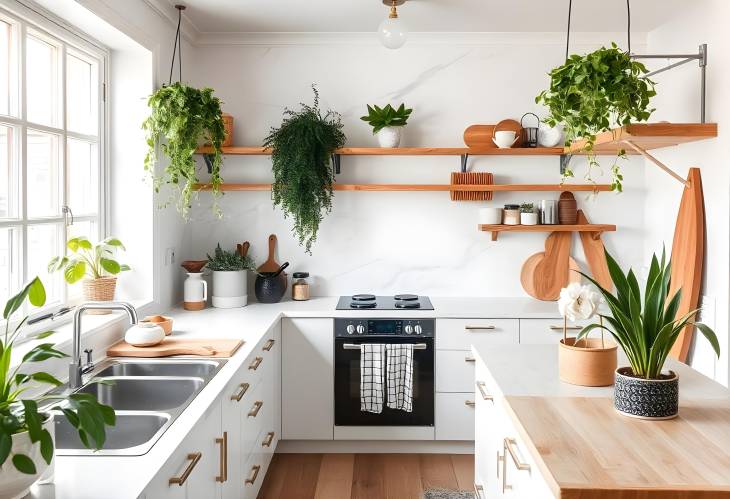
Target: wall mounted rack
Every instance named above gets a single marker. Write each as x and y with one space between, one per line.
595 230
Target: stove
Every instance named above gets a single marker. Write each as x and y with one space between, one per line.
403 301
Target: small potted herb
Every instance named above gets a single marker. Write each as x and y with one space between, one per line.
527 214
387 123
230 277
646 328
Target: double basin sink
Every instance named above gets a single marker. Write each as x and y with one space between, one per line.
147 396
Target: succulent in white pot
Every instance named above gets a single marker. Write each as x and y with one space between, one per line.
528 216
230 278
387 123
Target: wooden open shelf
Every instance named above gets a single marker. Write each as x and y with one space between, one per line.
647 136
429 187
405 151
595 229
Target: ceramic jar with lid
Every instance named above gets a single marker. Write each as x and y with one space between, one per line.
511 214
300 287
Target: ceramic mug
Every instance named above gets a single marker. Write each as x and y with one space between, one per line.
490 216
504 139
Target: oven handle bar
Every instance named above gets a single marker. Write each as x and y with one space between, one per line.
352 346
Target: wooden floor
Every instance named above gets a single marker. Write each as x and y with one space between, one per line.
365 476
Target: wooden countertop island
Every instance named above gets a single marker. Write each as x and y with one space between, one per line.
560 440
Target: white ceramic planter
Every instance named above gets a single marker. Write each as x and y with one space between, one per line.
490 216
528 218
230 289
13 483
389 136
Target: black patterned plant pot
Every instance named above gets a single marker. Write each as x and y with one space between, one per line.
646 398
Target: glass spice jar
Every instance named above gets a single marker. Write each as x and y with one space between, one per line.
511 214
300 287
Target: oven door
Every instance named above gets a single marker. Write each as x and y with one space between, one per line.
347 386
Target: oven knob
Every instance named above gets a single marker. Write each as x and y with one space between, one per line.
409 329
418 329
350 329
360 329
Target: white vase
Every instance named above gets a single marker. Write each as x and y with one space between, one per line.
13 483
229 289
389 136
195 291
528 218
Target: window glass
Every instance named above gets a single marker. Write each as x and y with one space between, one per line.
6 71
8 174
9 278
43 182
82 177
41 69
44 242
81 90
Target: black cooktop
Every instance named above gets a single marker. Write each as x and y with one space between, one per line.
371 302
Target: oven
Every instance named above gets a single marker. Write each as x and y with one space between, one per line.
349 335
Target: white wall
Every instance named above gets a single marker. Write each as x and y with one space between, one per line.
678 100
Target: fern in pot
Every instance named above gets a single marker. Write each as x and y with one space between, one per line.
230 277
646 327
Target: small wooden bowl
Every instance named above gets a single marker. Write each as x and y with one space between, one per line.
164 322
194 266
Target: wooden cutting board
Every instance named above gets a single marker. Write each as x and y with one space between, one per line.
595 255
544 274
178 346
688 249
271 265
527 275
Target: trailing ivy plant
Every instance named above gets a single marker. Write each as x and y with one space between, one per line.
181 119
301 150
590 93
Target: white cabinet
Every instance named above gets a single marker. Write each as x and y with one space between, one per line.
461 334
455 416
547 331
307 394
454 371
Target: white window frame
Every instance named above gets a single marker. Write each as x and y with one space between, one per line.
27 20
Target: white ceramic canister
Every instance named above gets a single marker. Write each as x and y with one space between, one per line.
490 216
195 291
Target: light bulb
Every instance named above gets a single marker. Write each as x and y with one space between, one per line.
392 33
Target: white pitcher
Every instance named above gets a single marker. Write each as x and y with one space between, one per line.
195 292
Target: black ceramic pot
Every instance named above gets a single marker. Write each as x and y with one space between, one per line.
270 288
646 398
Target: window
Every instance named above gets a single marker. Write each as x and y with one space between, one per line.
51 150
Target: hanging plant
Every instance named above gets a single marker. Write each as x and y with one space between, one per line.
301 150
590 93
181 119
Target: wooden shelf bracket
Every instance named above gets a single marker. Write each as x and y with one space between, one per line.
661 165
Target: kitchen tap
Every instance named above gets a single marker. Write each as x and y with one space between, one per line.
76 369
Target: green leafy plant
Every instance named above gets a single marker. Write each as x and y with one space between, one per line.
645 327
301 150
379 118
181 119
588 93
527 208
20 414
229 261
89 260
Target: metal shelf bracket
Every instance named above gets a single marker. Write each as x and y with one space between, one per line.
464 162
208 158
564 162
336 163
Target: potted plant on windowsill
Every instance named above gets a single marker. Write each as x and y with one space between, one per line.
96 264
387 123
230 277
26 422
646 328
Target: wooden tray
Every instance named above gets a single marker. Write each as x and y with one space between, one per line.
178 346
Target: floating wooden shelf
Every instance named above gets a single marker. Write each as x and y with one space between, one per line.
647 136
406 151
596 229
429 187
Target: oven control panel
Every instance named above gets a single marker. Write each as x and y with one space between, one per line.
384 327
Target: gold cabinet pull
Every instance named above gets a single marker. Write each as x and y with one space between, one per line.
478 489
482 386
269 345
501 461
223 442
243 388
269 438
255 409
469 358
194 457
470 403
254 475
256 363
510 445
569 328
479 328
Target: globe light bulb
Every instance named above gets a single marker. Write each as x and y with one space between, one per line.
392 31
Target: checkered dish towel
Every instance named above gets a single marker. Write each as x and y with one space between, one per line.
372 360
400 377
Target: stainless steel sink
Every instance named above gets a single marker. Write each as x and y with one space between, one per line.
131 430
144 394
197 369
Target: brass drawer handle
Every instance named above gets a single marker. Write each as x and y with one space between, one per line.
269 438
509 446
501 461
469 358
269 345
194 457
255 409
478 489
254 475
470 403
481 385
223 442
569 328
256 363
479 328
241 392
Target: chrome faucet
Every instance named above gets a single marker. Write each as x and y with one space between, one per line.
76 369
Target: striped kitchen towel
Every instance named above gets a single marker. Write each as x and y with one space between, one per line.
372 358
400 377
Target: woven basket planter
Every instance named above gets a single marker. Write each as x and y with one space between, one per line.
101 289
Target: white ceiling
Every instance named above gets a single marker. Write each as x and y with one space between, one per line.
311 16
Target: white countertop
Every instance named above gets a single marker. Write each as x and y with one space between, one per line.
125 477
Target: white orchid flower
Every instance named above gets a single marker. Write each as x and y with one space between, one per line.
578 302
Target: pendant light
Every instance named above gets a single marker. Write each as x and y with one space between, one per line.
392 31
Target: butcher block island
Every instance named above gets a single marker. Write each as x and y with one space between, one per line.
537 437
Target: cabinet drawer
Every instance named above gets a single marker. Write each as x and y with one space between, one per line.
454 373
461 334
547 331
254 472
455 416
254 416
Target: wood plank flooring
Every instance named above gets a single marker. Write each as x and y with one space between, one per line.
365 476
